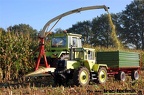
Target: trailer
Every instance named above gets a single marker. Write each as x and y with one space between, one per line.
121 63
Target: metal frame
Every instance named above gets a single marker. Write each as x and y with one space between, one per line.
41 54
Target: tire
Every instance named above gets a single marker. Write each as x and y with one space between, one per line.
1 74
102 75
135 75
81 76
116 77
121 76
59 80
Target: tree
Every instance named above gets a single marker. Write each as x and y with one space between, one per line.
102 30
59 30
83 28
132 22
23 28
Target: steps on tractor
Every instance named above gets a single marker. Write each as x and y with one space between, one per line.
93 75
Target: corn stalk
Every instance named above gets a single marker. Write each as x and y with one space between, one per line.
15 53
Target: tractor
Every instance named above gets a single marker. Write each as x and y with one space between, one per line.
81 67
60 45
85 65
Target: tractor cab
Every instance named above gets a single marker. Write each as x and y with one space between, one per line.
84 53
61 43
84 56
78 57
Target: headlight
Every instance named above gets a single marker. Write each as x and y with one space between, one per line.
68 71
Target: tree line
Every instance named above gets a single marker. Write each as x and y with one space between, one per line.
129 28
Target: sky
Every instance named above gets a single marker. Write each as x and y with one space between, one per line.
37 13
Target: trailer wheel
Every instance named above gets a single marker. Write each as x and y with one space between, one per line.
1 74
102 75
121 76
135 75
81 76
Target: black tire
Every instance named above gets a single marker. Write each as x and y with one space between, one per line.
135 75
102 75
81 76
116 77
121 76
59 80
1 74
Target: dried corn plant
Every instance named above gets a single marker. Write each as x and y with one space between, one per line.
15 53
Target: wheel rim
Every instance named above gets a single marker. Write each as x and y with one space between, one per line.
122 76
84 77
136 75
102 76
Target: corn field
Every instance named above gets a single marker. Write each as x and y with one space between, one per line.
17 59
16 54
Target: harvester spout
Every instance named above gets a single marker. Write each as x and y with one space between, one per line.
57 18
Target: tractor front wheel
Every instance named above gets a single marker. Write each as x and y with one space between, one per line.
102 75
81 76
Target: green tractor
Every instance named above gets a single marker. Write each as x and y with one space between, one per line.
81 67
85 65
60 45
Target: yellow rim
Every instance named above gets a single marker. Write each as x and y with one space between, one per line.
84 77
102 76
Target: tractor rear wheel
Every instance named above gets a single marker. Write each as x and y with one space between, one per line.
102 75
135 75
81 76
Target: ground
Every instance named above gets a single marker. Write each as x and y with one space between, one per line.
46 87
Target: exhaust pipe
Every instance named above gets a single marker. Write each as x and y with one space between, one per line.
71 53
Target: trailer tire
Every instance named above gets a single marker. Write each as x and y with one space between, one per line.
81 76
102 75
135 75
1 74
121 76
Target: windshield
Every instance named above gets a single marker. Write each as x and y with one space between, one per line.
58 42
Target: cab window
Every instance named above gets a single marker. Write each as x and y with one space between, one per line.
90 55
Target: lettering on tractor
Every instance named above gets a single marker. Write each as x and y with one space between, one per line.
68 60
